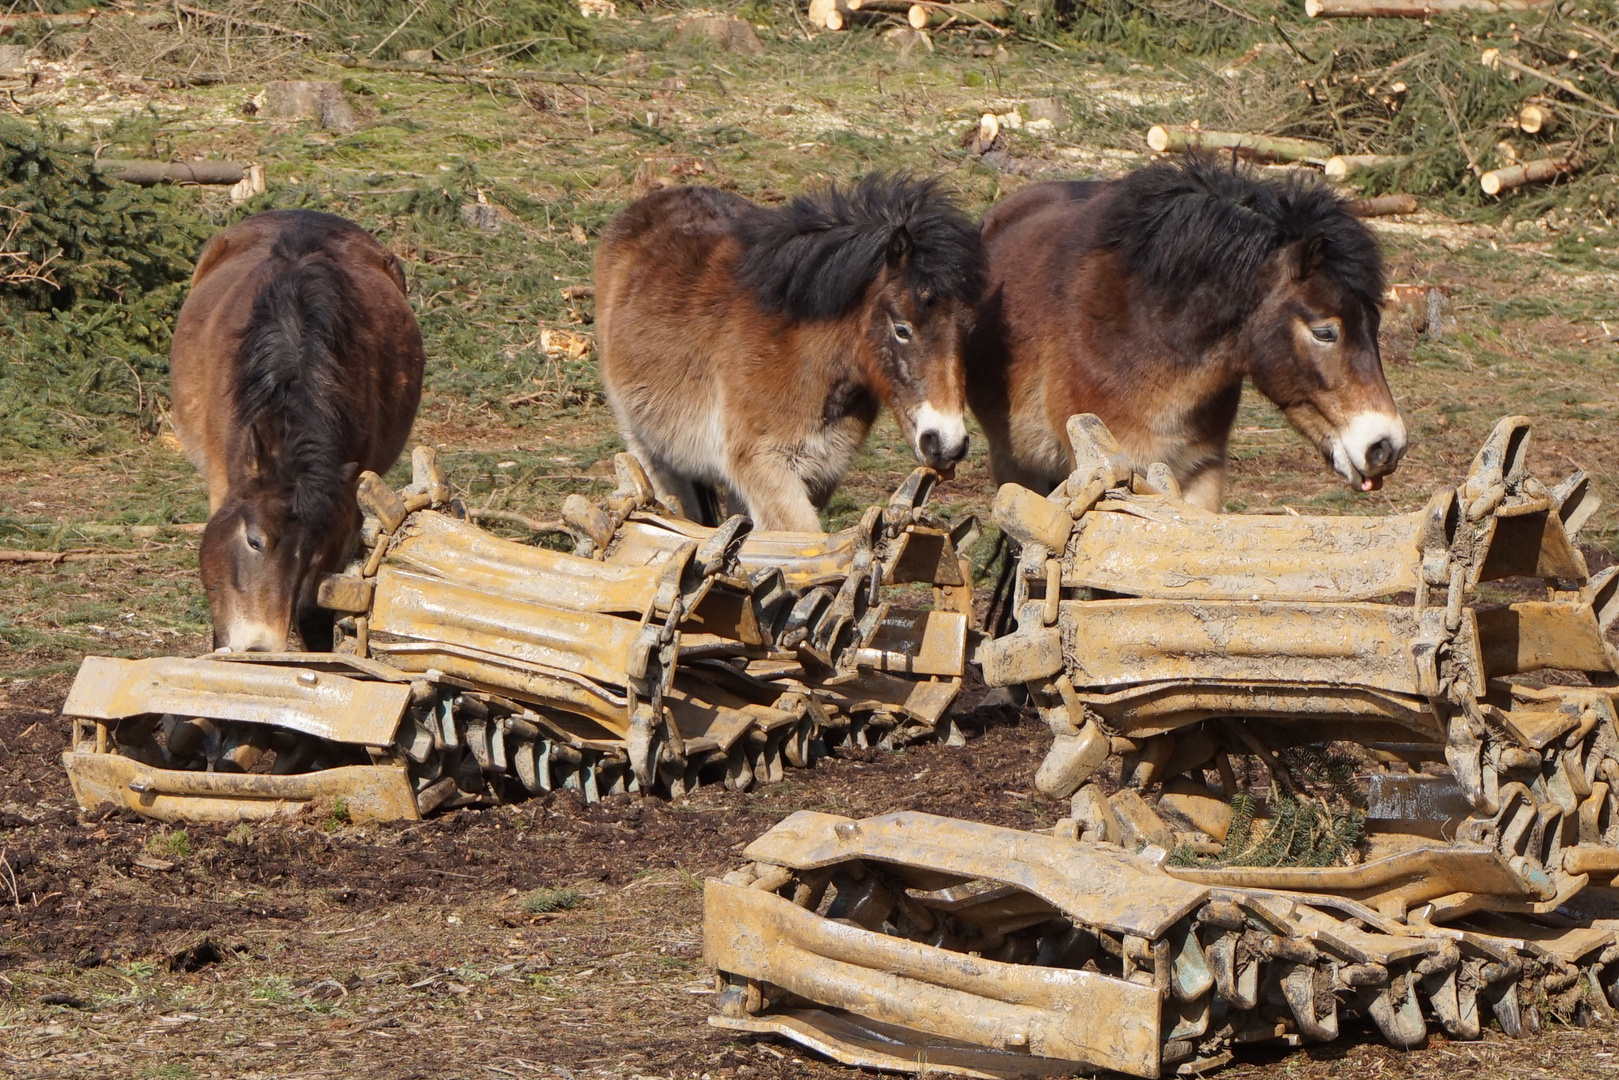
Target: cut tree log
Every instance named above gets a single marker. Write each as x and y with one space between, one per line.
147 173
1537 118
33 20
1165 139
1525 172
1342 166
924 16
1410 9
1383 205
827 14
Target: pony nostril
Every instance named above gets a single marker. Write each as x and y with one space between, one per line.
929 444
1381 454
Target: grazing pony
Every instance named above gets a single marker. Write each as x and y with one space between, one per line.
748 350
296 363
1148 299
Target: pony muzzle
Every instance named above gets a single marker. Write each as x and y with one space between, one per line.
250 635
1368 448
941 439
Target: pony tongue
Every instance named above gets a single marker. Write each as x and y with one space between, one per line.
1372 483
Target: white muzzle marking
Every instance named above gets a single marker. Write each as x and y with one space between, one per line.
1351 444
949 429
251 635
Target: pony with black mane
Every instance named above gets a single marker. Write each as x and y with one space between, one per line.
1147 301
296 363
747 351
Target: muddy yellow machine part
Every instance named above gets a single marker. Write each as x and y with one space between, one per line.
656 656
1314 777
111 781
911 942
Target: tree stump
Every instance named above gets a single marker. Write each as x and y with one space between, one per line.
1049 108
322 102
732 35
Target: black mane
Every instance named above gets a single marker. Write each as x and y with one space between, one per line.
814 257
289 369
1196 231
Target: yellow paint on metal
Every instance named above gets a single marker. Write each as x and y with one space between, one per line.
103 781
422 608
1076 1016
323 703
1099 886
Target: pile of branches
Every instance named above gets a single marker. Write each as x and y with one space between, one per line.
92 273
1469 106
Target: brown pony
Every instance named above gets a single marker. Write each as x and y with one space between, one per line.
296 363
1148 299
748 350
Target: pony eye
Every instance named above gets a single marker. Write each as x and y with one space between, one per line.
1324 334
255 541
903 333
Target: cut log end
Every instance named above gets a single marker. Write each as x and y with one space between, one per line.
1157 139
1313 8
1535 119
917 16
834 19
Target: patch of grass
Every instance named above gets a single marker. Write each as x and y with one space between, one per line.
549 986
338 816
170 1070
542 900
274 989
243 834
139 969
169 845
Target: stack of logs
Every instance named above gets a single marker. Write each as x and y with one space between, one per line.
920 14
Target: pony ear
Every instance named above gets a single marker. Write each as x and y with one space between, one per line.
899 246
348 472
1307 256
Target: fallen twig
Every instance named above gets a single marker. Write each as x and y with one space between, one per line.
1411 9
54 557
513 518
454 71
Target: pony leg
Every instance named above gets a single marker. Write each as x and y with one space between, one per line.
777 499
1206 487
